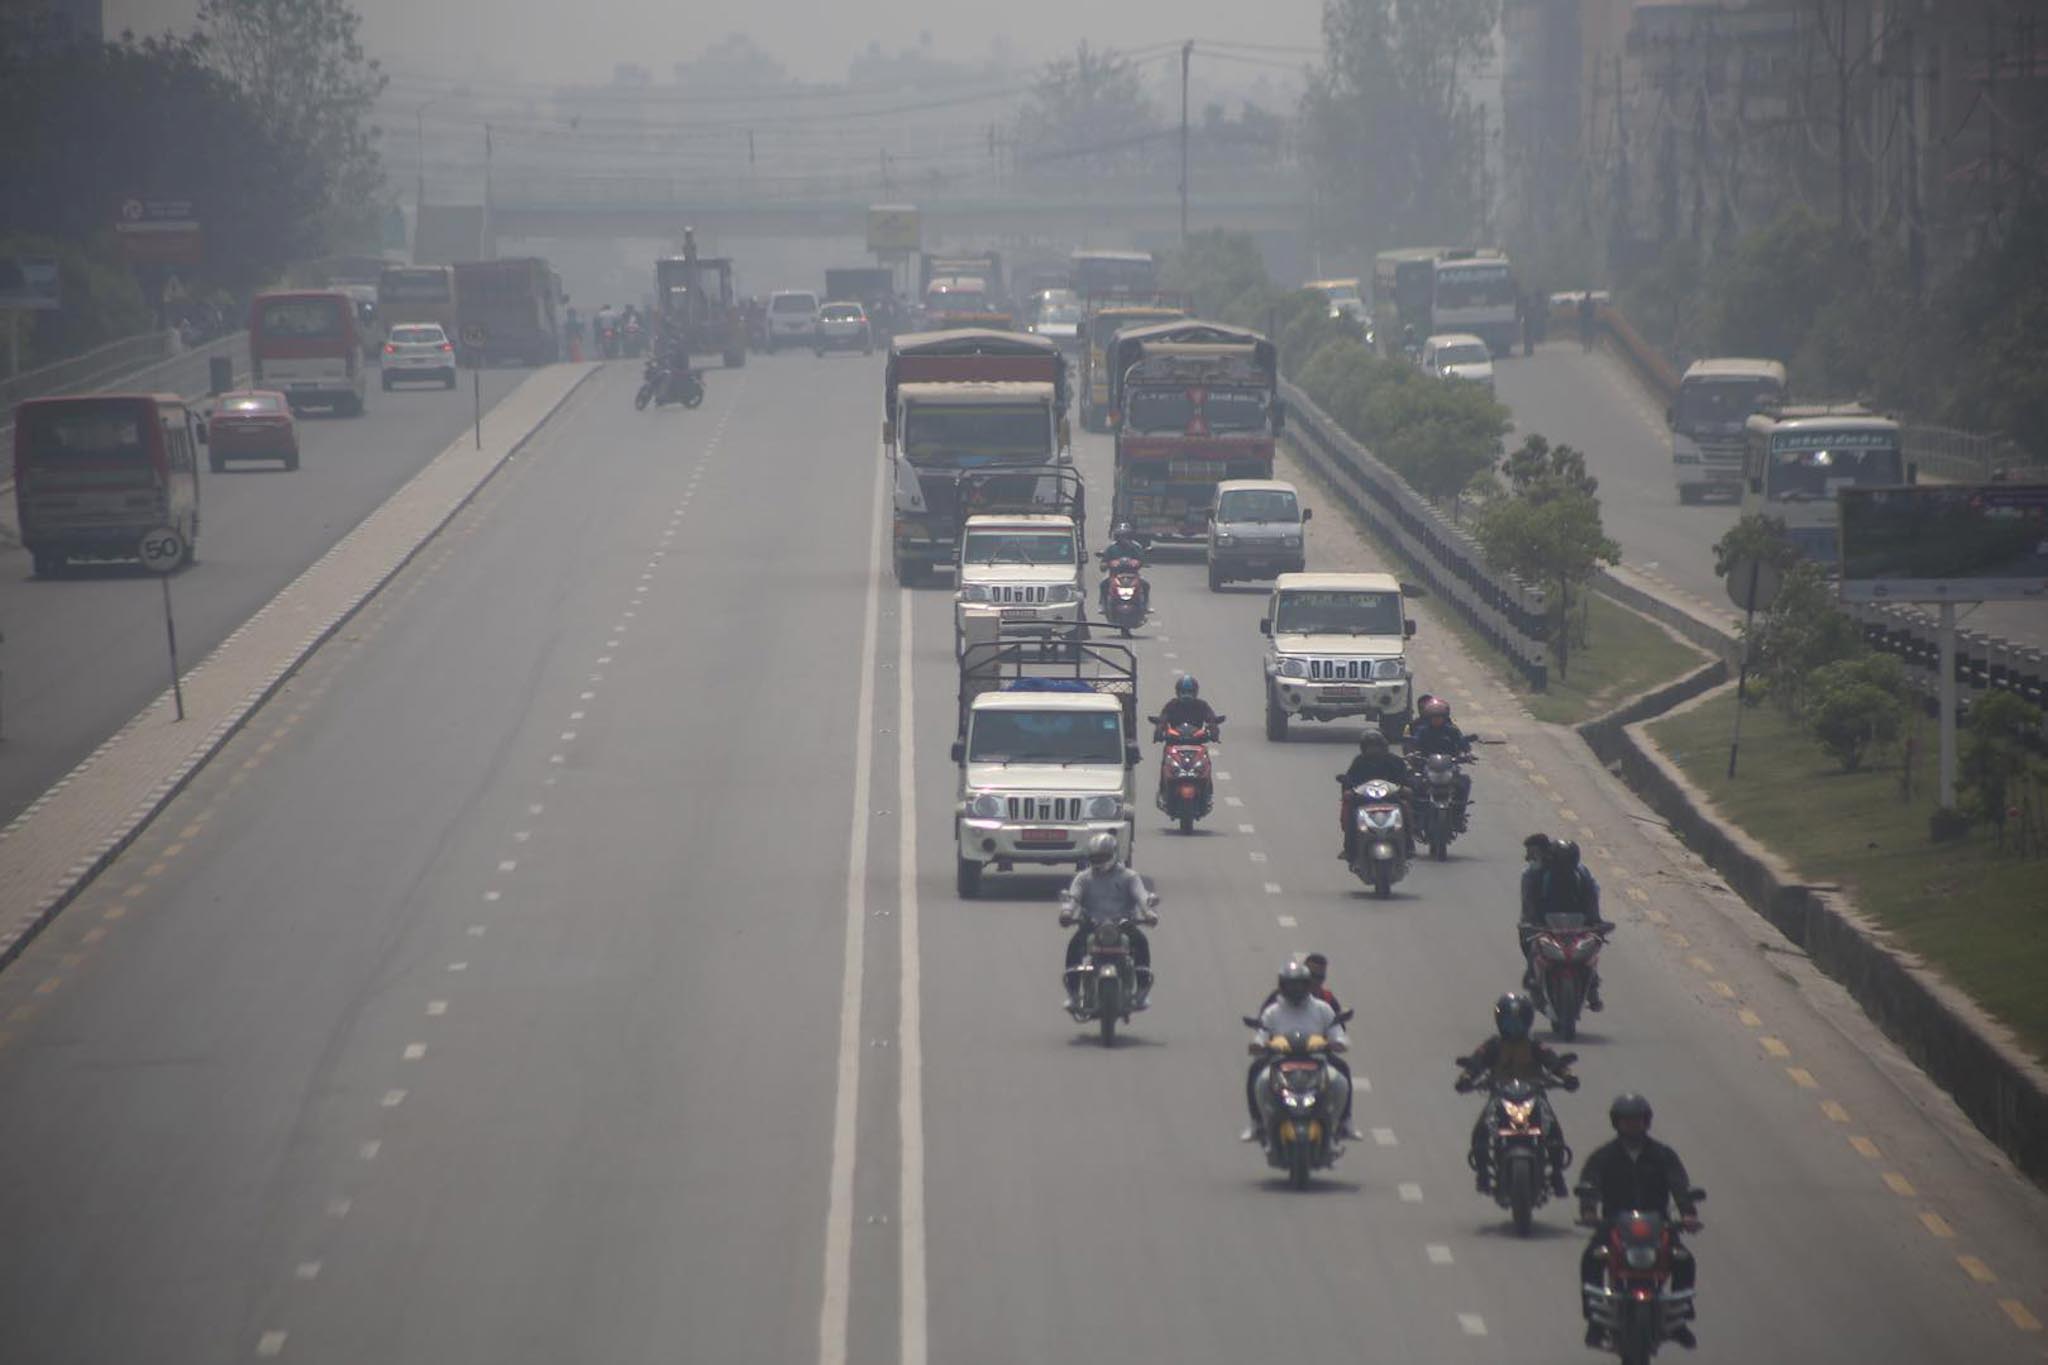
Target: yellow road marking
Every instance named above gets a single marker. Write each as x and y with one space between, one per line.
72 959
190 831
154 870
266 746
49 983
1750 1017
250 763
1898 1184
1569 814
1723 989
94 934
1636 893
1656 917
1834 1111
1776 1047
1697 962
1539 779
1937 1225
1977 1270
1802 1078
138 890
280 732
1864 1147
2021 1318
116 911
173 850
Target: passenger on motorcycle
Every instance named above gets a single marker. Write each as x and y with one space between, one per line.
1318 978
1299 1010
1108 892
1375 760
1560 884
1512 1055
1187 707
1634 1172
1434 733
1124 544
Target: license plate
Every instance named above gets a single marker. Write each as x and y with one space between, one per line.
1020 613
1042 836
1343 693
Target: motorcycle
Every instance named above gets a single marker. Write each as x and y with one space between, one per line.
1104 987
608 341
1437 817
1520 1163
1563 955
1379 835
1634 1302
635 340
1126 599
661 386
1187 787
1297 1104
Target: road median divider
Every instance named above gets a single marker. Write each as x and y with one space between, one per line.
73 831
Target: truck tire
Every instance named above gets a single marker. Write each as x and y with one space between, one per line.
1276 718
966 877
1216 580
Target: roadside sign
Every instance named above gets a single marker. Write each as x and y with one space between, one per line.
474 335
1945 543
1753 584
30 282
893 228
159 231
161 550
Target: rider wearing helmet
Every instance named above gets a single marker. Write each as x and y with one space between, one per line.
1124 543
1634 1172
1318 966
1299 1010
1561 884
1375 760
1187 706
1434 733
1108 891
1512 1057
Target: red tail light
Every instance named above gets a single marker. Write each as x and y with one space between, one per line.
390 348
447 345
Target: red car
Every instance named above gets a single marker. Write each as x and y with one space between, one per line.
252 424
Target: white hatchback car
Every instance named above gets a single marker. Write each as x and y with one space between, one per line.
418 353
1457 355
792 318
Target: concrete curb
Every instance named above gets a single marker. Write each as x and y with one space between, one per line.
1965 1051
102 846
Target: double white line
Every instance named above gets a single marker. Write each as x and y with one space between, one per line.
836 1304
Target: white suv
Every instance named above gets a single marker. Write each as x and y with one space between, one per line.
1025 571
792 317
1338 651
1457 355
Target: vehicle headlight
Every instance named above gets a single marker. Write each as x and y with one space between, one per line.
1225 538
973 592
1062 592
1293 668
1290 542
1105 807
1390 670
986 806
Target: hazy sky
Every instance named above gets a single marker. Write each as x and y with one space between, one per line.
584 39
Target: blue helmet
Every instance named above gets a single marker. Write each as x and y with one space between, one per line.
1187 687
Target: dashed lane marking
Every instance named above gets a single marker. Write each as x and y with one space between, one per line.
270 1345
1272 888
414 1051
1236 801
1865 1148
1975 1268
2021 1318
1384 1137
307 1270
1246 829
1775 1046
1288 922
1802 1078
1698 963
1936 1225
1722 989
1636 893
393 1098
1750 1018
1256 856
1899 1185
1473 1324
1410 1192
437 1008
1835 1112
368 1148
1438 1253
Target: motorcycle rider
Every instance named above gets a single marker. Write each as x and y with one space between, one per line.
1561 884
1513 1055
605 331
1299 1010
1634 1172
1107 891
1124 544
1318 982
1434 733
1375 760
1187 708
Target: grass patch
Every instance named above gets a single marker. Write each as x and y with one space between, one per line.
1977 915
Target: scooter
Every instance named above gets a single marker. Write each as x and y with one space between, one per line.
635 340
1379 835
1187 786
1126 598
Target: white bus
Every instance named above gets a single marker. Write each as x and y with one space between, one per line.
1474 292
1715 400
1795 461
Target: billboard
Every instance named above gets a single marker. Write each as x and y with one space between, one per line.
893 228
159 231
1944 543
30 282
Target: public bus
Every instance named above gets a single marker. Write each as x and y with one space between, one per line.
1715 399
417 293
1100 327
1098 274
1474 292
308 345
1797 459
94 473
1403 281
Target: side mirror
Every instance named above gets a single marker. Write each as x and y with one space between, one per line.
1307 513
1265 626
1132 758
959 752
889 433
1408 627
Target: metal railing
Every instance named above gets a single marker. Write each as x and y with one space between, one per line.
1965 456
1513 616
80 373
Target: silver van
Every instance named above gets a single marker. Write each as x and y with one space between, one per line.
1256 530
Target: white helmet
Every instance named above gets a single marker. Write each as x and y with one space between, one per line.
1102 852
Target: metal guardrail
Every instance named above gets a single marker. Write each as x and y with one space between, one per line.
84 372
1513 616
1983 662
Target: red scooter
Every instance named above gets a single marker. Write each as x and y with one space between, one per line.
1126 598
1564 954
1187 787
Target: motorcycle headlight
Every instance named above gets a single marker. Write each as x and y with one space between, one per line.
973 592
1641 1258
1293 668
1389 670
986 806
1105 807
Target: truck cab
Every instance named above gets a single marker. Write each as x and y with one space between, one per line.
1025 570
1337 651
1046 753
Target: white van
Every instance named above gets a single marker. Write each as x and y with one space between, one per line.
1256 530
792 318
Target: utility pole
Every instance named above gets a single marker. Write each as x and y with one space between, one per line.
485 245
1187 53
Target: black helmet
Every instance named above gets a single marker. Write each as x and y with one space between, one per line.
1295 982
1187 687
1629 1105
1513 1015
1564 855
1372 742
1123 530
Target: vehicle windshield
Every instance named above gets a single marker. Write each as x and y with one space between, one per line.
1340 612
1707 404
1018 547
113 434
793 303
841 312
963 437
418 336
1065 314
1474 287
309 319
416 286
1811 466
1175 409
1341 293
1046 737
1464 353
1260 506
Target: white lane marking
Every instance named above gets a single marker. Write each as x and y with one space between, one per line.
368 1150
1289 922
475 931
1223 777
414 1051
458 966
1247 829
507 865
557 758
338 1208
437 1008
535 809
1411 1193
913 1309
1385 1137
587 696
1473 1324
568 735
1438 1253
520 836
1233 801
270 1345
307 1270
835 1302
1272 888
494 895
393 1098
1256 856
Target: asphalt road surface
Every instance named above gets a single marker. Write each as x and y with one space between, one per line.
84 653
566 966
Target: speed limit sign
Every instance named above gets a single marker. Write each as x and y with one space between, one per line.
474 336
161 550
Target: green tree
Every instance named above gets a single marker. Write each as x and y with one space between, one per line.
1757 537
1437 436
1994 753
1218 269
1803 632
1763 297
1085 114
1853 705
1545 528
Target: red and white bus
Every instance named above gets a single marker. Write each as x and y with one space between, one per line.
94 473
307 345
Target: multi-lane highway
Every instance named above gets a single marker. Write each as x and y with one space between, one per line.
86 652
566 966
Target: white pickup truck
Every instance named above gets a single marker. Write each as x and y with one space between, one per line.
1338 651
1046 751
